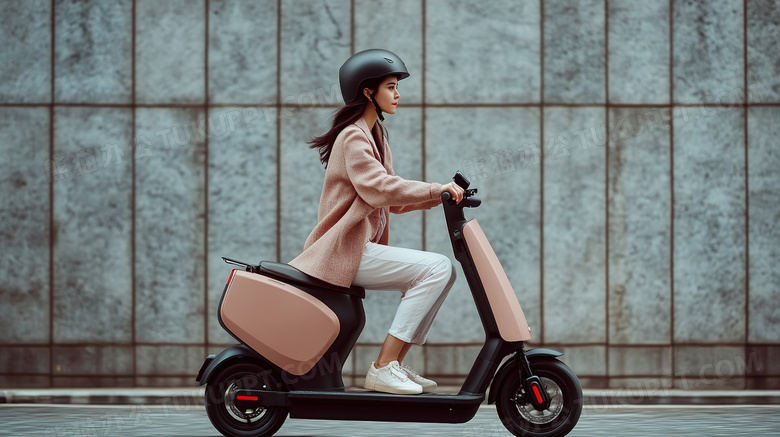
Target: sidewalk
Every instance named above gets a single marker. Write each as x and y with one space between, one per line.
194 396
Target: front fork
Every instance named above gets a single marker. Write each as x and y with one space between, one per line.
532 384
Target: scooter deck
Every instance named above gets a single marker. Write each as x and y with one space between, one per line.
369 405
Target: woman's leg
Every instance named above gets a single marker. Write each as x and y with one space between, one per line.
393 349
404 350
424 280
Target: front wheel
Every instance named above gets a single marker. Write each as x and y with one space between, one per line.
231 420
522 419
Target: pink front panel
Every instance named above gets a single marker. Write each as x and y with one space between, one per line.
284 324
509 316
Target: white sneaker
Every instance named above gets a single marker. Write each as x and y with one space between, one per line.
426 384
391 379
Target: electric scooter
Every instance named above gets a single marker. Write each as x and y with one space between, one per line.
296 331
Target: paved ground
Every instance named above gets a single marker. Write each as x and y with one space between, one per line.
191 421
194 395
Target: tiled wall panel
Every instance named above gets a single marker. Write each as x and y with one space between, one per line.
709 229
574 52
462 68
25 236
170 51
638 51
639 229
242 51
92 264
169 261
708 49
574 225
93 56
763 70
763 235
25 35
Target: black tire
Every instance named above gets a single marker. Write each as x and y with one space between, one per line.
230 420
519 416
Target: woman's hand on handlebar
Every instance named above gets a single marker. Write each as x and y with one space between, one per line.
455 190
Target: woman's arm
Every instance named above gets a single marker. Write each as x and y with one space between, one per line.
454 189
416 207
375 185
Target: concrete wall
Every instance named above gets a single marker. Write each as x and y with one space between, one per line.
626 152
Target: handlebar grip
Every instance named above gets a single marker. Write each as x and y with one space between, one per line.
445 196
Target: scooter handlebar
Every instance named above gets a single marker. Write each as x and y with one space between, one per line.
469 201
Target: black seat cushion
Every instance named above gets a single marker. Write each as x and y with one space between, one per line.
288 273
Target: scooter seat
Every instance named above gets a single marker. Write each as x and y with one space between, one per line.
288 273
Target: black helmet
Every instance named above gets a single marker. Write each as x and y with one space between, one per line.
367 65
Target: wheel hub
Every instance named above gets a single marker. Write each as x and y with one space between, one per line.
529 413
248 415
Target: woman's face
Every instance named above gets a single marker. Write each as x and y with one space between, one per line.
386 95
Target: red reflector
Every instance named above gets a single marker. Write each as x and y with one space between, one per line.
230 278
246 398
537 394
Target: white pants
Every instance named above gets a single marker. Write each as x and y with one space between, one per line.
423 278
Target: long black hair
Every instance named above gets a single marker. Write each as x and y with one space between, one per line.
345 117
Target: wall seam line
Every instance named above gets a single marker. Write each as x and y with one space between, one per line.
606 189
672 340
424 116
747 178
51 196
207 128
541 171
133 194
278 131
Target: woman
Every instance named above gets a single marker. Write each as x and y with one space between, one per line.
348 246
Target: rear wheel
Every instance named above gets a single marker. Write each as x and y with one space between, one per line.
231 420
522 419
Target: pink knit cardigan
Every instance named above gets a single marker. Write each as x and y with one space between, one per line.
356 187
